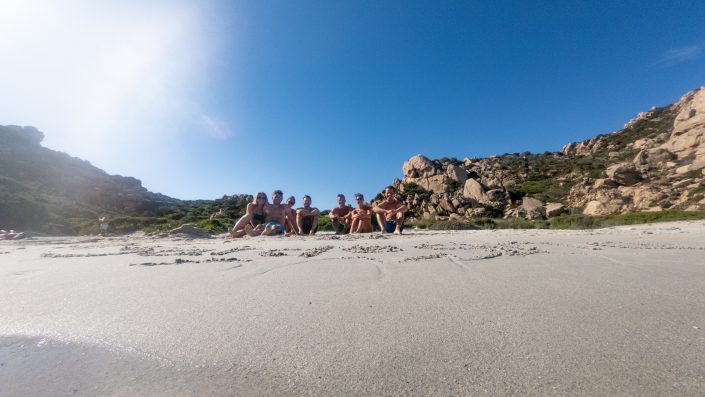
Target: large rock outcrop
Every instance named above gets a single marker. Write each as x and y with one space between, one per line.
656 162
689 127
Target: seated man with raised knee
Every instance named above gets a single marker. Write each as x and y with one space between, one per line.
390 212
307 217
339 216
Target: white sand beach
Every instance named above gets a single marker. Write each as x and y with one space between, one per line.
618 311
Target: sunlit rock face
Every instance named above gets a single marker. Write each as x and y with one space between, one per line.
687 138
656 162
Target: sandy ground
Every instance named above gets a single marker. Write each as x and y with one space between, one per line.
618 311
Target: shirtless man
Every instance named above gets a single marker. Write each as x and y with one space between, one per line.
307 217
390 212
339 216
361 216
275 215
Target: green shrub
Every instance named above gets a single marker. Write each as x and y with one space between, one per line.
579 221
411 189
451 185
485 223
420 223
547 189
324 222
453 225
694 174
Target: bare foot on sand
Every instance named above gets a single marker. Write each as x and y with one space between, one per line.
250 230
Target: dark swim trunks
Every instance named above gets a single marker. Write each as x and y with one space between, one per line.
306 224
391 226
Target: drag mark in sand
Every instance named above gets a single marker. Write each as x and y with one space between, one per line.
273 252
310 253
597 246
422 258
479 251
54 255
152 251
372 249
180 261
433 247
457 262
230 251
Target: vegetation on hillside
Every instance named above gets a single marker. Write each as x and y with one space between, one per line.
565 221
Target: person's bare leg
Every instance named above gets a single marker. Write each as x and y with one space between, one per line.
240 225
354 226
250 230
380 221
314 224
367 226
400 220
238 233
336 225
300 222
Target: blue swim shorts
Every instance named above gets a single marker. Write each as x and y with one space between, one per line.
276 224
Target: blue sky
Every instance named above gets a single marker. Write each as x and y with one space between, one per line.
202 99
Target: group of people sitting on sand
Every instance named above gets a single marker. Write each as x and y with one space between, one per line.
264 219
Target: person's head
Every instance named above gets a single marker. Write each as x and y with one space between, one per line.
341 200
389 192
359 198
307 200
277 197
290 201
260 198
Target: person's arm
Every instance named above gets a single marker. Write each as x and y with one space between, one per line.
366 213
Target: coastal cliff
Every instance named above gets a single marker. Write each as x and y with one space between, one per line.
655 163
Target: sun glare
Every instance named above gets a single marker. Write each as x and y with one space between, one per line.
93 74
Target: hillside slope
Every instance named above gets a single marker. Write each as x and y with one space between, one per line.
51 192
655 162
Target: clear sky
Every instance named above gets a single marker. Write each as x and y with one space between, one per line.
204 98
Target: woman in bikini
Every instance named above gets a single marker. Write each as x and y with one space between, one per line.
254 215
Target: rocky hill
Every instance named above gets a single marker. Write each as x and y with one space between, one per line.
656 162
48 191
